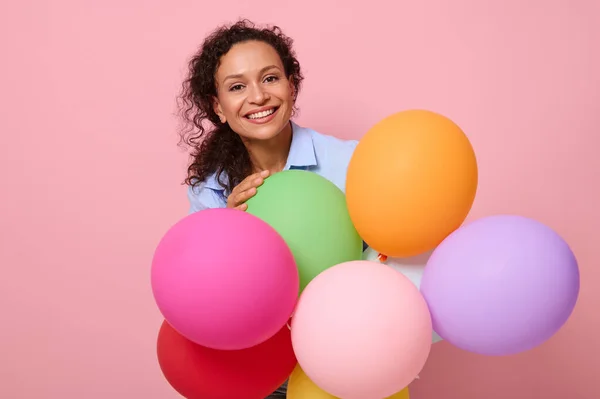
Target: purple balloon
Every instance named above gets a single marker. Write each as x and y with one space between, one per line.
500 285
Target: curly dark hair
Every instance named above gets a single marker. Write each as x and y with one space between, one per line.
218 148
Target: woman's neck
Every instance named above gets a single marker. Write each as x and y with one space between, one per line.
271 154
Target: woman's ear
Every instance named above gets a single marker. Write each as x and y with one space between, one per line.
218 110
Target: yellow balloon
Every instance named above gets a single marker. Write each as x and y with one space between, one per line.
301 387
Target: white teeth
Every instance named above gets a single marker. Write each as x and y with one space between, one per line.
262 114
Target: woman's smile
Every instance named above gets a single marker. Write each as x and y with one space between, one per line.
262 115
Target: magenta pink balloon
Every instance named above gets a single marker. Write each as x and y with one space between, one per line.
224 279
361 330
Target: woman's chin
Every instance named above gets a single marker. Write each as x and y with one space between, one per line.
263 132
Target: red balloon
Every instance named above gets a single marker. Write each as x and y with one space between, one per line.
198 372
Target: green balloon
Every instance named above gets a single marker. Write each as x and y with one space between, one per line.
311 215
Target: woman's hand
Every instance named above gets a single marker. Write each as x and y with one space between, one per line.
246 190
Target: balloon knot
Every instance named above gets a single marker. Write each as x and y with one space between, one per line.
382 257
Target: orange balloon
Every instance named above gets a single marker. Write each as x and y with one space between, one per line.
411 182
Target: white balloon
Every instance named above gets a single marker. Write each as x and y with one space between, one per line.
411 267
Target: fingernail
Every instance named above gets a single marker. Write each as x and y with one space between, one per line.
264 173
257 181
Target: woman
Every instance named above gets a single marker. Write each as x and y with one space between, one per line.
243 83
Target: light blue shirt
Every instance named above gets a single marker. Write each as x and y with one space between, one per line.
324 155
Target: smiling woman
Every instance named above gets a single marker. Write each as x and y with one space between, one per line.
244 82
237 104
255 100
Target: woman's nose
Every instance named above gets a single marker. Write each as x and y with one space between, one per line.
258 94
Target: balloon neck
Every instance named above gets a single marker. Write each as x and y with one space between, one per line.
382 258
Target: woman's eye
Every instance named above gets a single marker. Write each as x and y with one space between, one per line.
236 88
271 79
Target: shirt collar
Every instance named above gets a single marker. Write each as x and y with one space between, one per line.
301 156
302 149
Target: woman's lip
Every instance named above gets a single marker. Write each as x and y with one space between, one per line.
255 111
266 119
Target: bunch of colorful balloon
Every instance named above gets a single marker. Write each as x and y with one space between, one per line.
227 283
498 285
284 289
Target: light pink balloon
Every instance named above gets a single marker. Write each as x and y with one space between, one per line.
361 330
224 279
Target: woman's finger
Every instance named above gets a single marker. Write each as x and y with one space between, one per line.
245 195
242 207
254 180
246 189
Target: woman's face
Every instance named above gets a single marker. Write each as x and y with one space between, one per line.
253 94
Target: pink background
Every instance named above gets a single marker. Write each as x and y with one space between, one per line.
90 172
